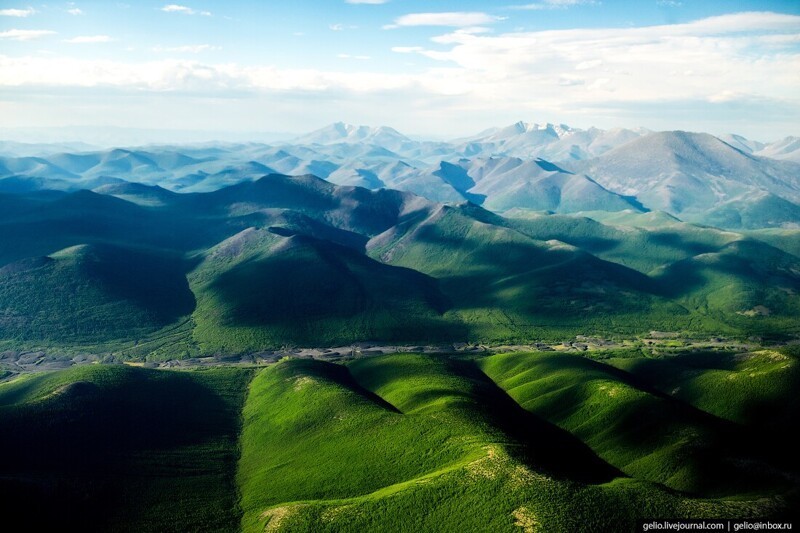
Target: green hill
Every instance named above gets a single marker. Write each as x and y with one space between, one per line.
92 293
642 432
299 261
432 444
123 449
264 288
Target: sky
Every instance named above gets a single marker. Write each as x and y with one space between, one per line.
434 69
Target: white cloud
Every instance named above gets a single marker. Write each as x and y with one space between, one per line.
75 11
341 27
586 65
348 56
669 3
186 49
727 53
185 10
457 19
24 35
89 39
407 49
556 4
717 61
27 12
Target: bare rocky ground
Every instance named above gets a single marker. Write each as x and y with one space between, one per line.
16 362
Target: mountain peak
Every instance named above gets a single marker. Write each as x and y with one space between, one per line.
342 132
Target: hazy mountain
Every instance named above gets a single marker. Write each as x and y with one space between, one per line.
547 141
687 174
742 143
787 149
26 149
341 133
726 181
501 183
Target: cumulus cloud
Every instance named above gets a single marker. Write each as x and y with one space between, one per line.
75 11
407 49
350 56
24 35
556 4
185 10
457 19
718 61
186 49
89 39
27 12
341 27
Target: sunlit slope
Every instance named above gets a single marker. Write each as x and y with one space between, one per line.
506 285
756 389
720 279
123 449
299 261
427 443
273 287
644 433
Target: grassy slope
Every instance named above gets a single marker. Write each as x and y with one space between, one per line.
493 280
504 285
643 249
716 278
755 389
260 289
92 292
121 448
645 434
421 443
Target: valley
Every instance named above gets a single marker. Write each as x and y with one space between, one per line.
354 330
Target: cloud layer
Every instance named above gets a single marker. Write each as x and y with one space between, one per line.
750 60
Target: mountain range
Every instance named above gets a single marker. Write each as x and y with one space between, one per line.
302 261
728 182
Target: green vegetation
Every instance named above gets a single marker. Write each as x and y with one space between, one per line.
551 441
125 449
273 290
140 273
645 434
430 443
92 292
750 388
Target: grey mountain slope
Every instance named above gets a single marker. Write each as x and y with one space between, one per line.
686 174
787 149
502 183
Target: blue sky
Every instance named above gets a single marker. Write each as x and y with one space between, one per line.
427 68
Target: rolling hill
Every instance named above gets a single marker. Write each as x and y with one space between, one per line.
552 441
299 260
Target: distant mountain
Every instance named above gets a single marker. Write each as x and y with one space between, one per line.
787 149
742 143
688 174
340 132
548 141
548 167
502 183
